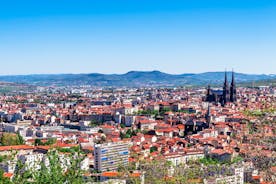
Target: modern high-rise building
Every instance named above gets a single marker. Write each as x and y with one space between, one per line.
110 156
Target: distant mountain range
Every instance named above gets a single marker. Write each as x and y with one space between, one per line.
134 79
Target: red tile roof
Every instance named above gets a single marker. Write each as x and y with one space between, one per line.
18 147
8 175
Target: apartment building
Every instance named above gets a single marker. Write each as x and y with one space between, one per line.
110 156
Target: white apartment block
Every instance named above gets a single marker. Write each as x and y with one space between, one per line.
237 178
32 161
110 156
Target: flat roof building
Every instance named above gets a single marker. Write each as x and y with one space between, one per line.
111 156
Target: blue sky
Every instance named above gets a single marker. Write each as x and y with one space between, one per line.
116 36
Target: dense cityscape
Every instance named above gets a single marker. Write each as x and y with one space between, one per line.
137 92
139 135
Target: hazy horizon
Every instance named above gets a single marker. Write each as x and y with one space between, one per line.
228 71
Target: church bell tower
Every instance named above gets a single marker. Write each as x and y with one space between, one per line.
233 89
226 91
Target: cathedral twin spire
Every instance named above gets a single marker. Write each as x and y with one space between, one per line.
229 94
233 89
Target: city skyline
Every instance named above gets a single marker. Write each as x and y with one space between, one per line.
138 91
120 36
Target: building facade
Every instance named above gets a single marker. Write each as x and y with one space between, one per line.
111 156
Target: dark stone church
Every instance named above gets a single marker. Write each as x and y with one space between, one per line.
224 96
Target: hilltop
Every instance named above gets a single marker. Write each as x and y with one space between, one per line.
134 79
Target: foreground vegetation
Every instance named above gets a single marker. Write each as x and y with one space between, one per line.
52 171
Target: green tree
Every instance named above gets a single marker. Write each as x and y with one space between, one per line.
20 139
52 173
74 173
10 139
153 149
4 180
94 123
21 175
53 170
38 142
51 141
122 125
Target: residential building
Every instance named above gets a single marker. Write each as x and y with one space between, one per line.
111 156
